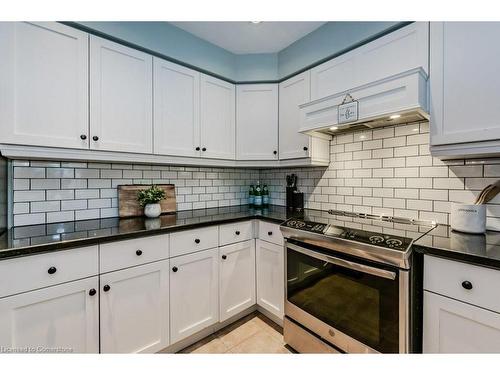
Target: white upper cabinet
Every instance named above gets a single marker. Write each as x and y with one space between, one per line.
176 109
61 316
217 118
44 85
464 83
257 122
292 93
400 51
121 98
236 278
134 309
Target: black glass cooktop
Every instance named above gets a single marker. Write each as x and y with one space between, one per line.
358 235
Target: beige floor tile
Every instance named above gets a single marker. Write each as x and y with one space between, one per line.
254 333
233 336
260 343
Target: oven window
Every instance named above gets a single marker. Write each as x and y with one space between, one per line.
361 305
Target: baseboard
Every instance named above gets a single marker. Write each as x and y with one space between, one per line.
270 315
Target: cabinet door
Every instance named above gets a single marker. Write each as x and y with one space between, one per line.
293 92
121 98
451 326
176 109
270 277
237 278
257 122
62 317
134 309
193 293
44 90
217 118
464 92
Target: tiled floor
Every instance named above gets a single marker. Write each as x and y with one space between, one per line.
253 334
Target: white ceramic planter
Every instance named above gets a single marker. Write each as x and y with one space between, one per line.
152 210
468 218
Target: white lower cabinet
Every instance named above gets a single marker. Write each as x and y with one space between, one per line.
451 326
194 302
236 278
134 309
61 317
270 266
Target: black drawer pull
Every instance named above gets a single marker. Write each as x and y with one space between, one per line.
175 269
197 240
275 152
224 257
95 138
467 285
269 233
197 149
204 149
305 148
106 288
138 252
52 270
92 292
237 232
83 137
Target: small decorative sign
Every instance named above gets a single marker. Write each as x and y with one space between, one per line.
348 110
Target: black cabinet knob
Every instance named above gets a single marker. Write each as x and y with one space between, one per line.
467 285
52 270
106 288
275 152
92 292
305 148
197 149
83 137
197 240
95 138
175 269
204 149
138 252
224 257
237 232
269 233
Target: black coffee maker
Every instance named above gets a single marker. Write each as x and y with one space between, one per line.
294 198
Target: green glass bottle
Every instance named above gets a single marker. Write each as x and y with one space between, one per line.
258 195
265 196
251 196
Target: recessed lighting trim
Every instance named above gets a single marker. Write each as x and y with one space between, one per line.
394 117
255 22
334 128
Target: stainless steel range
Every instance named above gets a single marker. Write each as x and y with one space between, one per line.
351 290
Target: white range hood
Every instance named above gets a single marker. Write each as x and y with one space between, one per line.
397 99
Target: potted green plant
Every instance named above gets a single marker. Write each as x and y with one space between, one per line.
150 200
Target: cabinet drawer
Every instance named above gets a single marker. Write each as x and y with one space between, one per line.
32 272
190 241
128 253
236 232
450 278
270 232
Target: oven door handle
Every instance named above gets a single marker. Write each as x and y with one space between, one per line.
345 263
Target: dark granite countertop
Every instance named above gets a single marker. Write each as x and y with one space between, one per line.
441 241
478 249
32 239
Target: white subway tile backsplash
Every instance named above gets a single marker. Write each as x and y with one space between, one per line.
62 191
382 171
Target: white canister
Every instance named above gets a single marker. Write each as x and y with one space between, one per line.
468 218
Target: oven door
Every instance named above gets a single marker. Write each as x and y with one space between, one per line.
355 305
